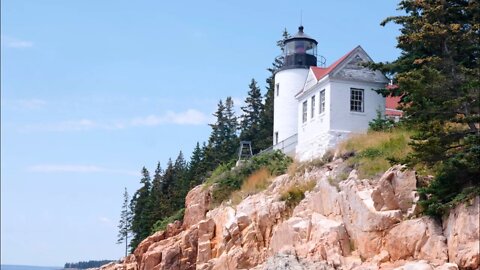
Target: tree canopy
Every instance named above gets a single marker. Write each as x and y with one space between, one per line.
438 75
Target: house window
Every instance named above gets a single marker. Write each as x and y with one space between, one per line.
312 109
322 101
304 110
356 100
277 88
276 137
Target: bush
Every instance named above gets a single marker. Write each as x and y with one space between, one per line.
381 123
296 193
161 225
225 183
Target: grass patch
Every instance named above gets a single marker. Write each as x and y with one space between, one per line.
296 193
374 150
161 225
248 175
256 182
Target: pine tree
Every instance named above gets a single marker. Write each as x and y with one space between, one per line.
125 223
223 141
157 195
438 77
266 122
231 142
141 209
181 183
251 118
196 172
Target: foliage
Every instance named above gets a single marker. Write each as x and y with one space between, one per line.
125 223
380 123
255 183
86 264
141 209
161 225
438 80
376 150
296 193
223 141
265 138
229 181
250 125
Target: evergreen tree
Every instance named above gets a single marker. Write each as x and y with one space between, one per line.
251 118
231 141
125 223
196 171
266 122
181 183
223 141
141 209
157 195
438 77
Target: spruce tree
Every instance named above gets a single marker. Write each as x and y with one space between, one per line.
157 195
251 118
438 77
196 171
266 122
223 141
231 142
181 183
125 223
141 209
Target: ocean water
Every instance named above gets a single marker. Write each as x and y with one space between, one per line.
27 267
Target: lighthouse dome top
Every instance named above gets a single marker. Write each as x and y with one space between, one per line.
300 35
300 51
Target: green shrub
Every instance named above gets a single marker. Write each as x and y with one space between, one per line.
296 193
381 123
228 181
161 225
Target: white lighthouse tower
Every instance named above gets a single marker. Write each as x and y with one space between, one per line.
300 53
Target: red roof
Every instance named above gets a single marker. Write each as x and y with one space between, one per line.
391 103
322 72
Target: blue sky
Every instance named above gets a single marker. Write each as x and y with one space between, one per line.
91 91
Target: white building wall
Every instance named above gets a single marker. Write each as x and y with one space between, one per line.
326 130
342 119
290 82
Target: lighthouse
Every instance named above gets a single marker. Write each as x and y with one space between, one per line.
300 53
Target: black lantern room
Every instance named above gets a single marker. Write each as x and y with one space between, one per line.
300 51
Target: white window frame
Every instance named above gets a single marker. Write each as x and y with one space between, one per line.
357 100
312 108
304 111
321 103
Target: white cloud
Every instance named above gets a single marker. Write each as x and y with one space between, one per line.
188 117
75 168
16 43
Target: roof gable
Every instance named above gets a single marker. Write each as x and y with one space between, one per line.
351 68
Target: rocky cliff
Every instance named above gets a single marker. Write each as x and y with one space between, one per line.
341 224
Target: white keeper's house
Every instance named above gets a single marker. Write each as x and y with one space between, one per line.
316 107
